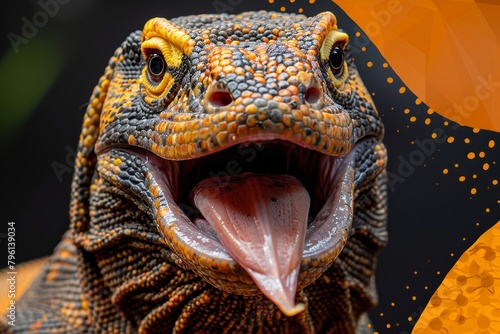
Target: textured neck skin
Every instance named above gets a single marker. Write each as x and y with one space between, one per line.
116 271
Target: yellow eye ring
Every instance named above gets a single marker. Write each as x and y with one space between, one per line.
332 53
160 55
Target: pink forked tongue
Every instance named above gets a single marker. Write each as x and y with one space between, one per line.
261 220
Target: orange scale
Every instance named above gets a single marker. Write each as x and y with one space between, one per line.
203 145
293 90
214 118
286 120
211 144
331 146
187 136
238 101
154 147
251 109
297 128
225 62
251 122
247 100
195 125
191 147
239 71
316 114
271 63
232 127
250 56
230 116
291 70
181 138
213 129
284 92
172 127
164 151
262 115
220 117
162 127
296 99
171 151
214 62
260 79
297 115
242 131
239 109
281 68
306 121
95 103
245 95
329 118
206 122
221 138
206 80
204 134
305 110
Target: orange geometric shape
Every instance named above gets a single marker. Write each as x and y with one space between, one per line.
447 52
467 299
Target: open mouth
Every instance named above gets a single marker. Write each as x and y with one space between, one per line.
277 210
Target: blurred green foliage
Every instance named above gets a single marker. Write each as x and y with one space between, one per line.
25 78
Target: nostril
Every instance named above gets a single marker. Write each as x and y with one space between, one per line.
219 98
313 95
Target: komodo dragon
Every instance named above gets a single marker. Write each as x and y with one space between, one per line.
230 178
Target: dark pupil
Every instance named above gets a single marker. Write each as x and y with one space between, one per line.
156 65
336 58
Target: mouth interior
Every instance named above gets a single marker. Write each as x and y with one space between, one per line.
265 158
227 197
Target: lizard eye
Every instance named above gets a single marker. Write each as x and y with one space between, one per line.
156 67
336 59
162 69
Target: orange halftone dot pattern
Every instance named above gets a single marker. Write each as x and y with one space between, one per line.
446 52
467 299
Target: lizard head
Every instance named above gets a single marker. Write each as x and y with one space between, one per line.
241 146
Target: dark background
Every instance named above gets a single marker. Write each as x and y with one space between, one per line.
47 76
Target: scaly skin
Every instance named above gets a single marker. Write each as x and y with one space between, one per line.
132 261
